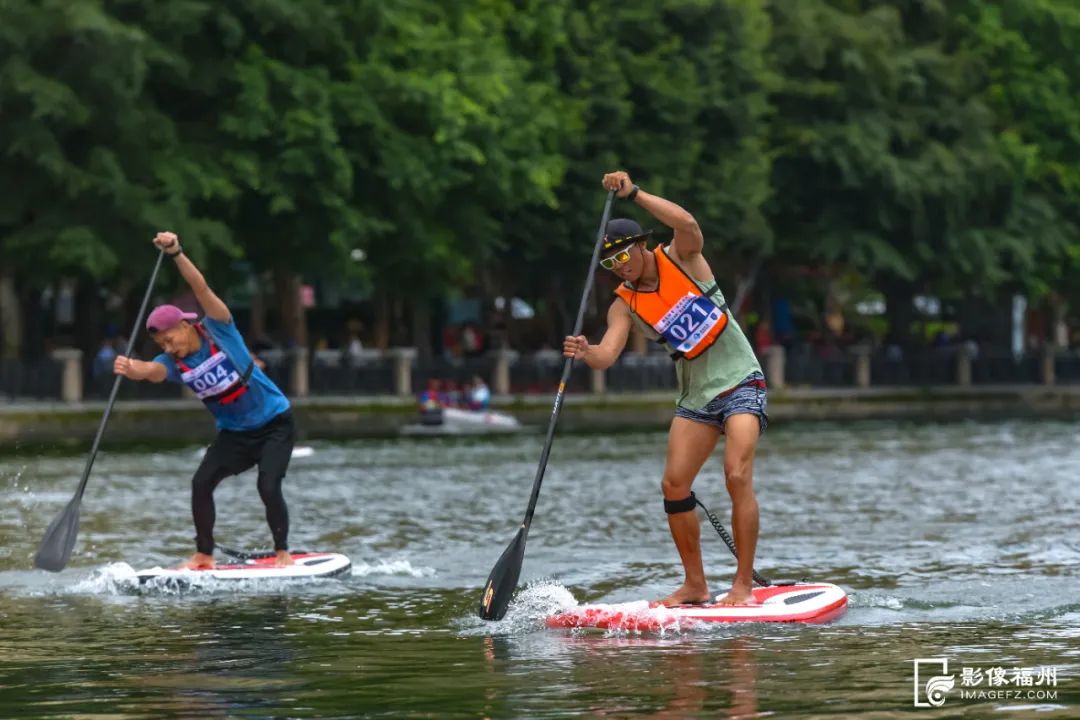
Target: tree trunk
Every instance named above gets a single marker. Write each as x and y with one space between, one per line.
382 321
556 314
501 330
36 321
898 309
399 332
1058 334
10 316
976 316
89 316
293 317
257 324
744 285
421 327
762 293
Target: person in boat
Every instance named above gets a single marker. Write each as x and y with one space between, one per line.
479 394
432 401
455 396
253 417
431 396
671 294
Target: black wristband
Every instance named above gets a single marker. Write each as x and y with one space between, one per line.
179 251
632 194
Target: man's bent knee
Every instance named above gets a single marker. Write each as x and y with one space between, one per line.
739 482
674 489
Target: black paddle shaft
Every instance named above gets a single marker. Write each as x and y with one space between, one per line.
503 579
55 549
568 365
119 378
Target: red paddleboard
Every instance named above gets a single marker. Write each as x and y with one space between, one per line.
807 602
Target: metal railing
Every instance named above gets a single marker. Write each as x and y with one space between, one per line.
30 380
66 375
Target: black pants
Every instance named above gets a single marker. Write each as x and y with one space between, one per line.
233 452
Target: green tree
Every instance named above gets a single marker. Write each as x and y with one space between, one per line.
1033 86
888 160
451 133
253 91
86 161
676 92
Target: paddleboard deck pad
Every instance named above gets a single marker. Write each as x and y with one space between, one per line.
308 566
803 602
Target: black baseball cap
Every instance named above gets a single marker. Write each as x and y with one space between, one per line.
623 231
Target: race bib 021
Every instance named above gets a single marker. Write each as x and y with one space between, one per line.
688 321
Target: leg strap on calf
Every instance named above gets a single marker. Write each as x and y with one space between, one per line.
673 507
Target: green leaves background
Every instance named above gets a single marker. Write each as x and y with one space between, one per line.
920 144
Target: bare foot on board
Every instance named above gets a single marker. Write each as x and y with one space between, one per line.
198 561
283 559
687 595
738 595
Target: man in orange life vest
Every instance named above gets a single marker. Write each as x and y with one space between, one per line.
671 295
254 422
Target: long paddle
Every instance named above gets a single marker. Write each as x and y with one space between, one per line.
504 576
55 549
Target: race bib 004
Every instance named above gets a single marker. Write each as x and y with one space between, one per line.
211 377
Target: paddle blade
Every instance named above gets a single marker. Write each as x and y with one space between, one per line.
503 579
55 549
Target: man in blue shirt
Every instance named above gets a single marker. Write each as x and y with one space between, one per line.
254 422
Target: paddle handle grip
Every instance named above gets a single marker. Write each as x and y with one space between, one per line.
591 277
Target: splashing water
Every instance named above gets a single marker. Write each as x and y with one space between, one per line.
390 567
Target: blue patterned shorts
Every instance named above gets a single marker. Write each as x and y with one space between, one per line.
748 397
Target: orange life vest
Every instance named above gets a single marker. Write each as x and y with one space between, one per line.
686 318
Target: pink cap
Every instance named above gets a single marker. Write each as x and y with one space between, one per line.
165 317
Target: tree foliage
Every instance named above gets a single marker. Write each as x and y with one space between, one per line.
925 145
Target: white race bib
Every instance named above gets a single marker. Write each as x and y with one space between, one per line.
211 377
688 321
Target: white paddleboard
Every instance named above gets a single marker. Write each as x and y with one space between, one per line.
802 602
307 566
298 451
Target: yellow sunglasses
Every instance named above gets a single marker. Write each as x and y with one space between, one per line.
620 258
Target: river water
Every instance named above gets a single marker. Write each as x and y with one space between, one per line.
955 542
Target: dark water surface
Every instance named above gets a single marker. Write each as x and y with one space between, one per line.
955 541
